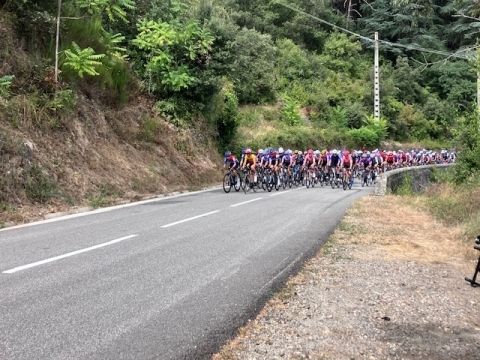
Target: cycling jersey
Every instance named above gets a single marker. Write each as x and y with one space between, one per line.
250 159
334 160
299 160
285 160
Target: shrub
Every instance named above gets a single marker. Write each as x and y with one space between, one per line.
149 129
223 113
5 84
468 165
290 111
38 186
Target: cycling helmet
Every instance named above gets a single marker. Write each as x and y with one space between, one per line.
280 150
310 152
248 151
288 152
295 152
317 152
260 151
300 152
227 154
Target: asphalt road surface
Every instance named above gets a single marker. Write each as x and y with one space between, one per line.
164 279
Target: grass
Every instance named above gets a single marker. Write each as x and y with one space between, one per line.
38 186
456 205
451 203
105 196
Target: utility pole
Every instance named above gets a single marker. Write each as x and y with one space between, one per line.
57 40
376 70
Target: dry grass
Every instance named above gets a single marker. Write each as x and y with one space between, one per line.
399 229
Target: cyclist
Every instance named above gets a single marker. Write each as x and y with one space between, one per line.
366 165
334 163
230 161
347 164
249 162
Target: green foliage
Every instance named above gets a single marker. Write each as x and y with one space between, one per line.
290 111
223 113
82 61
63 100
38 185
406 186
113 9
468 165
183 50
253 67
371 134
169 52
338 53
113 48
5 83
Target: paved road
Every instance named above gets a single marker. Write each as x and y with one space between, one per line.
166 279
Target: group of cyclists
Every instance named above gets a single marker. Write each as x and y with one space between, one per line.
275 167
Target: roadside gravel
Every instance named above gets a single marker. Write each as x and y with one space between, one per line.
388 285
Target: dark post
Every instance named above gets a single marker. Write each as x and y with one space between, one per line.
473 280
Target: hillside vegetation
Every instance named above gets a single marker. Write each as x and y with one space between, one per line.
148 91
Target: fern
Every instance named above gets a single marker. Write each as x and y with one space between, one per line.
82 61
113 48
113 9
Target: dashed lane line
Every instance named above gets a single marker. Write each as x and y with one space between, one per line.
59 257
190 219
246 202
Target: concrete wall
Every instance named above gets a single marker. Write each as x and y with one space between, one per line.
390 181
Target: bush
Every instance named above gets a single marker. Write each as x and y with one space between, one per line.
468 164
149 129
5 83
290 111
38 186
224 113
406 186
364 137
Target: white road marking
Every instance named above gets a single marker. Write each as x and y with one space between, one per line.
190 219
41 262
280 193
107 209
246 202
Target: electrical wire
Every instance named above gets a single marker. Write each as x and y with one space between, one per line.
388 43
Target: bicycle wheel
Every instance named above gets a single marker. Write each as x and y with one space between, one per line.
237 182
307 180
248 185
269 182
277 181
227 183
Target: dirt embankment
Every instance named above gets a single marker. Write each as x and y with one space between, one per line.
74 148
387 285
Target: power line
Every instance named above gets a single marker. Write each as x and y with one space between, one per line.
325 22
388 43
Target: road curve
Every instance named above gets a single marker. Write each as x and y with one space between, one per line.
166 279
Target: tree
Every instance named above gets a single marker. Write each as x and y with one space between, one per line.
170 51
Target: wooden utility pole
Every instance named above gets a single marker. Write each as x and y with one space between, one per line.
376 70
57 40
